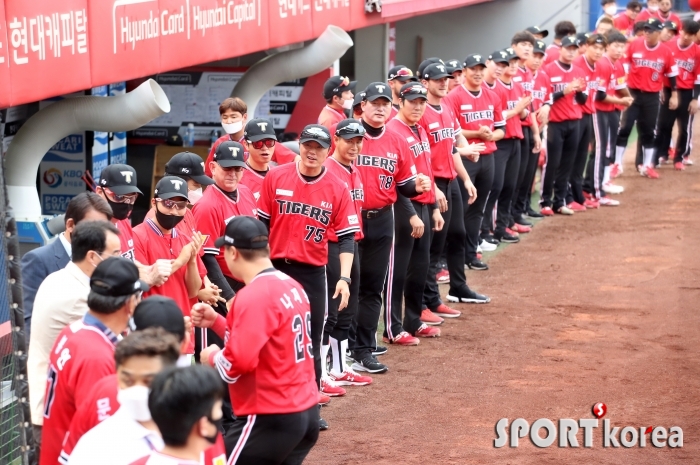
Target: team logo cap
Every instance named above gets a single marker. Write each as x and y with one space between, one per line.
336 85
116 277
350 128
359 97
671 25
540 47
653 24
159 312
169 187
120 179
501 56
436 71
378 90
401 73
413 91
229 153
537 30
188 165
244 232
427 62
474 60
581 38
316 133
569 41
259 129
453 66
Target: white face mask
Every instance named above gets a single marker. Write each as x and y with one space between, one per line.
232 128
611 10
347 104
135 401
653 8
194 195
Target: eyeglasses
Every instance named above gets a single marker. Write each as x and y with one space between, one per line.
170 204
129 199
352 128
269 143
315 133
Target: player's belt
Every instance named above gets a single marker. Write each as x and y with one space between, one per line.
367 214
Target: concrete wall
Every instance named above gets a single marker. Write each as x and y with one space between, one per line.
454 34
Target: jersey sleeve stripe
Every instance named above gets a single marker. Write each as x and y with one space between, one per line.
348 230
263 214
499 124
222 371
404 181
63 458
212 250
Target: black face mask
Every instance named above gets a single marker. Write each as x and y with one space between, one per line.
168 221
120 211
219 427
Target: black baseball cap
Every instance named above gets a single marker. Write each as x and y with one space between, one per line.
336 85
540 47
241 231
474 60
259 129
653 24
120 179
169 187
569 41
436 71
116 277
500 56
188 165
671 25
581 38
401 73
159 312
413 91
316 133
350 128
229 153
359 97
453 66
427 62
537 30
378 90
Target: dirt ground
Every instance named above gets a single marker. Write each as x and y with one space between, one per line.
599 307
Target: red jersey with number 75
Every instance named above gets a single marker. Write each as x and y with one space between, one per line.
267 359
440 126
416 146
383 164
647 66
353 181
565 108
474 111
301 212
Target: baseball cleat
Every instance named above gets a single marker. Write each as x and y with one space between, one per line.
532 214
477 265
350 378
651 173
429 318
447 312
608 202
522 222
591 203
577 207
508 238
330 389
442 277
323 399
521 228
610 188
488 246
546 211
380 350
369 364
490 239
403 339
322 424
679 166
565 210
427 331
615 171
687 161
468 297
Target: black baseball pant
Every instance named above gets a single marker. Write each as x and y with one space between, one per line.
643 111
481 174
374 248
313 279
605 125
453 235
664 124
579 164
408 270
526 176
280 439
505 180
685 151
562 142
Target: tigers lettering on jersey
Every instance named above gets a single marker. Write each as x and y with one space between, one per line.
642 63
357 194
472 116
388 163
442 134
419 147
287 207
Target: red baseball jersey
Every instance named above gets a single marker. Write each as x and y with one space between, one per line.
330 116
150 244
510 94
213 212
253 180
541 90
648 65
566 108
418 147
282 155
474 111
551 54
215 455
353 181
591 74
526 80
612 77
126 238
382 163
82 355
686 62
301 212
267 359
645 14
100 404
440 126
624 24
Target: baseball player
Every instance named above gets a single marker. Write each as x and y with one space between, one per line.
398 76
300 202
261 142
649 61
348 136
537 32
443 129
234 114
568 89
612 92
425 63
586 62
624 22
385 170
454 68
685 53
480 115
658 9
267 361
561 29
338 94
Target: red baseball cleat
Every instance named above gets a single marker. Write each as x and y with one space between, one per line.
590 203
651 173
442 277
615 171
350 378
679 166
577 207
447 312
330 389
323 399
519 228
404 339
429 318
547 211
427 331
512 232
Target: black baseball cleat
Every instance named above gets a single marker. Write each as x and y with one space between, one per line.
322 424
370 364
477 264
467 296
490 239
523 222
534 214
508 238
380 350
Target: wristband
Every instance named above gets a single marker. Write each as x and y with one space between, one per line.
347 280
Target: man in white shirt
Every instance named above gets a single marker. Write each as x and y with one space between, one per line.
130 433
62 299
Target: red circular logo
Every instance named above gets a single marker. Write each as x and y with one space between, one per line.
599 410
